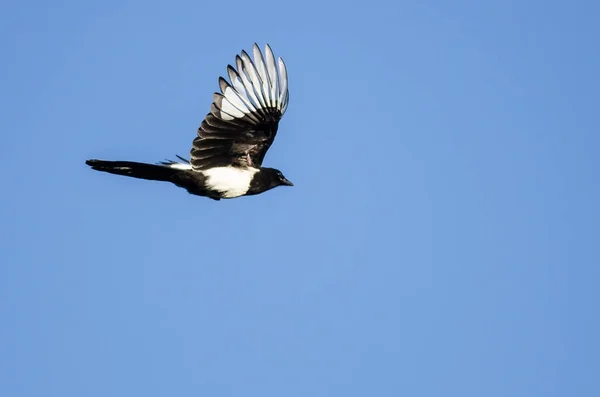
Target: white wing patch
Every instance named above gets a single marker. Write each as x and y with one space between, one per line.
179 166
254 85
229 181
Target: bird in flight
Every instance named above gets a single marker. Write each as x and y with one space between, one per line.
227 155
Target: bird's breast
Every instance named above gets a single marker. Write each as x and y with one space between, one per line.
230 182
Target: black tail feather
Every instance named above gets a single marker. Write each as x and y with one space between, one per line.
152 172
169 162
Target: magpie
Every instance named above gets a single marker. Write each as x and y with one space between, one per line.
227 155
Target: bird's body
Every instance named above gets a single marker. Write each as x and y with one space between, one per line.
227 155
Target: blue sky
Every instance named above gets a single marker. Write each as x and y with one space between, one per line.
441 239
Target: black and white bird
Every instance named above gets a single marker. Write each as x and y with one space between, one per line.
227 155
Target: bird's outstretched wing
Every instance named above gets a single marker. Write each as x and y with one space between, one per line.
244 116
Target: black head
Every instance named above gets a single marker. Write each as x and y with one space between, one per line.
280 179
266 179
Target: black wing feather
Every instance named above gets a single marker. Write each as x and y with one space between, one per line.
244 116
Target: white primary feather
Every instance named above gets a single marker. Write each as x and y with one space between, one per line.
247 84
254 85
273 79
229 109
236 98
262 72
240 93
283 87
229 181
250 70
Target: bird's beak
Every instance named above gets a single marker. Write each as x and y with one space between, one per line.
285 182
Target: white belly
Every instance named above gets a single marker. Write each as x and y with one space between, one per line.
229 181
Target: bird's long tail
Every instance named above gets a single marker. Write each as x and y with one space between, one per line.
152 172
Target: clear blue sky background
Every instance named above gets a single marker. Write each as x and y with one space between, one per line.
442 238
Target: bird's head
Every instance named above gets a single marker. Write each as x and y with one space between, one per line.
267 179
279 179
